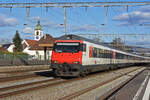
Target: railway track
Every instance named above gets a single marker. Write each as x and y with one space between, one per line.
26 87
20 71
105 96
21 88
21 76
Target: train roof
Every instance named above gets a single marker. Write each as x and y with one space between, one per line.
76 37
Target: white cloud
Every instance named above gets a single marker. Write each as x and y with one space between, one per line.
28 30
145 8
85 28
53 25
34 19
140 39
4 21
141 16
71 28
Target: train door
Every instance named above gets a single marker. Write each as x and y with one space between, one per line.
113 57
84 54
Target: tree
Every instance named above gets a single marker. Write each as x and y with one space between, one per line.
17 42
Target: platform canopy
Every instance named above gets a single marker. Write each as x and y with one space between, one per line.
46 41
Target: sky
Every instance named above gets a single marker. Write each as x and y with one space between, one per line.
91 20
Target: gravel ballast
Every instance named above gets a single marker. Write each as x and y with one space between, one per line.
6 69
56 92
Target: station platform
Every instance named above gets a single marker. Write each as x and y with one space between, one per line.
136 89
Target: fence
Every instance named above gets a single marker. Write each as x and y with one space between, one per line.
20 59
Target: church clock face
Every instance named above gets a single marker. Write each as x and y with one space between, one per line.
37 33
37 37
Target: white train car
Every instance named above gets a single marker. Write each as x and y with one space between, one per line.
74 55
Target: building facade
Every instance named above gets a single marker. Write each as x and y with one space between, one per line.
34 48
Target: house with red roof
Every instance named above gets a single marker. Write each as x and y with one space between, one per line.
39 47
27 44
2 49
36 47
6 47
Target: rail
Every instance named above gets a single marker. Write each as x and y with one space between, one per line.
78 93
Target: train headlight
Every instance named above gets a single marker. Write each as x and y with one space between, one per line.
76 62
56 62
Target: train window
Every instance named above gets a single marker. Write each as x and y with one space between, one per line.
72 47
133 58
117 55
108 54
125 56
129 57
120 56
101 53
94 52
83 47
104 53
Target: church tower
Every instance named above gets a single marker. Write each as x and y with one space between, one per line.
38 32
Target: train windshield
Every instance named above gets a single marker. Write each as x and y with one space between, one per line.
72 47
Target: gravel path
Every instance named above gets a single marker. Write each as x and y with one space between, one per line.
56 92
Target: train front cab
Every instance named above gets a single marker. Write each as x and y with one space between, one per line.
67 57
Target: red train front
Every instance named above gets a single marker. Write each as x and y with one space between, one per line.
67 57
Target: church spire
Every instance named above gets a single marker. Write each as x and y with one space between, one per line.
39 22
38 26
38 31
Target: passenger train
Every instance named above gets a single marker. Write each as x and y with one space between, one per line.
73 55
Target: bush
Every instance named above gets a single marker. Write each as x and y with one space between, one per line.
10 55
